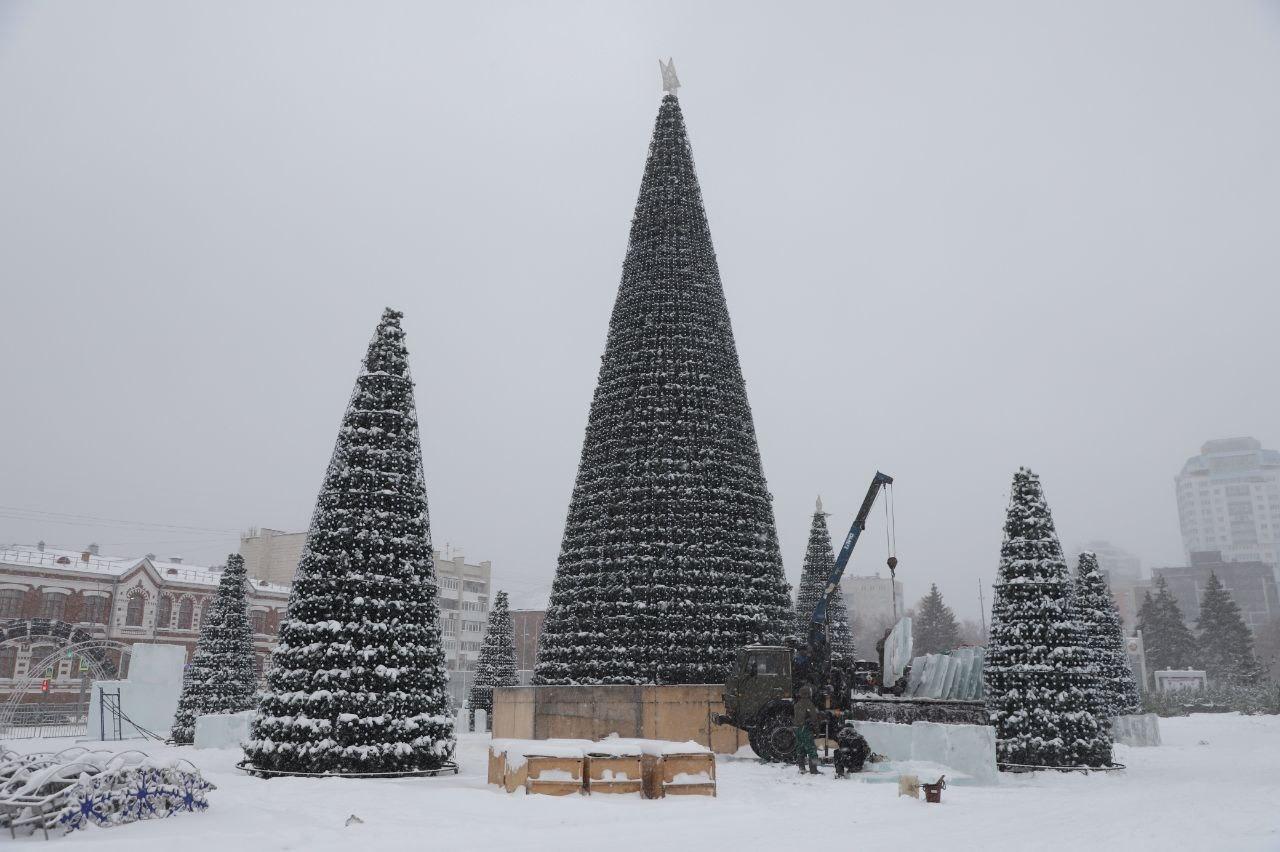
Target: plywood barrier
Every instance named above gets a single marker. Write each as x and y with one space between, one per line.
688 774
553 776
677 713
614 775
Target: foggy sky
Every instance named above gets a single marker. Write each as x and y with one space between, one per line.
954 239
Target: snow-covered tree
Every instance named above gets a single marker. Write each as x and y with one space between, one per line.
819 562
496 665
1225 645
222 675
1038 682
934 628
1166 640
670 559
358 681
1095 609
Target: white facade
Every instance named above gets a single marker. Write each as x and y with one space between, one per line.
1229 501
272 555
874 603
464 614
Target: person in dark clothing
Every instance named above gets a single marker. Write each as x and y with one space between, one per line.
852 751
805 716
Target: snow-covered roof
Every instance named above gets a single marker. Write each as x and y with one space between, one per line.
83 562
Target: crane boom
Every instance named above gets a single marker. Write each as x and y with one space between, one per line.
818 620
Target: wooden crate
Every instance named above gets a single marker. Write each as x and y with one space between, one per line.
679 771
614 775
503 775
553 776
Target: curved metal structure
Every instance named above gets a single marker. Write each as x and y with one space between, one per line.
68 640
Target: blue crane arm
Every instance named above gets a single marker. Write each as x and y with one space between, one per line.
818 620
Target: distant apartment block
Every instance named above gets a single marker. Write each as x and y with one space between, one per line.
272 555
1229 501
872 602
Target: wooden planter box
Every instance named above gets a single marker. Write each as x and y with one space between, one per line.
614 775
553 776
687 774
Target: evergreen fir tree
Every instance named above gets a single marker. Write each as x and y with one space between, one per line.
1167 642
819 562
1095 609
358 681
1225 645
934 626
1038 680
222 674
497 663
670 560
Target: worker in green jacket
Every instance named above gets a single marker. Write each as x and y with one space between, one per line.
806 716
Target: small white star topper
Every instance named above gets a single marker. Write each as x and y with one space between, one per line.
670 82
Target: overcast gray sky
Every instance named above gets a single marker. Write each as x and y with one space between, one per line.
954 238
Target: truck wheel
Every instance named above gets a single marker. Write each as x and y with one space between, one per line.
780 739
753 737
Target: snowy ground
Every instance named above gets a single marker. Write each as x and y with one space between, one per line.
1214 785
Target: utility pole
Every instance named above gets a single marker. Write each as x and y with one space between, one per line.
982 611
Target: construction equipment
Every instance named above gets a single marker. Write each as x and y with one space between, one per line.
760 689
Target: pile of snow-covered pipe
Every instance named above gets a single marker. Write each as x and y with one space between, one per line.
652 769
77 787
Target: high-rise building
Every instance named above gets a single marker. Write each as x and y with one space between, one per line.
1229 501
875 603
526 626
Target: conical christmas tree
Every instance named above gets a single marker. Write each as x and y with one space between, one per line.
934 627
670 559
497 663
819 562
1225 645
222 675
1040 688
358 681
1095 610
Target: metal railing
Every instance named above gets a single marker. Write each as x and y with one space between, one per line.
46 720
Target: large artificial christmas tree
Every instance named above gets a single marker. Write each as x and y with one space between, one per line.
670 560
934 628
1166 640
819 562
358 681
1095 610
222 674
1039 685
1225 645
496 665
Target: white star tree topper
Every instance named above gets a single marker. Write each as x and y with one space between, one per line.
670 82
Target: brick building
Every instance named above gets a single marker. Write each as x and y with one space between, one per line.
132 599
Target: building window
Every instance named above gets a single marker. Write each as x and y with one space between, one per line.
449 583
473 586
164 612
10 603
448 603
94 610
186 613
133 615
53 605
8 661
258 621
39 654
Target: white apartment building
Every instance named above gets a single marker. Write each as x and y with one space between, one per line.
1229 501
872 602
272 555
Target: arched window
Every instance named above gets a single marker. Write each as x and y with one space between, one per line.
258 621
11 603
133 615
8 661
53 605
164 612
186 611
